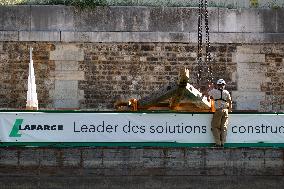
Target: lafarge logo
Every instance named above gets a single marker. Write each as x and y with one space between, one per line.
18 126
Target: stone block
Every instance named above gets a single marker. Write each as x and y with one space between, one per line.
250 58
143 36
48 18
93 37
165 19
66 90
280 18
39 36
247 20
269 20
81 94
240 37
178 37
63 84
77 36
217 161
273 161
247 100
48 157
124 37
15 18
71 157
246 76
175 165
253 67
66 103
153 162
67 52
69 75
272 38
249 49
248 85
29 157
8 158
175 153
157 153
93 158
9 36
171 19
112 19
62 65
161 19
66 94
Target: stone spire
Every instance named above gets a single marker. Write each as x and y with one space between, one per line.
32 102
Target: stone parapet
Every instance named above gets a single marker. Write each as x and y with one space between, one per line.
135 24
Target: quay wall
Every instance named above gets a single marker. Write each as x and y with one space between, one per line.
90 58
148 167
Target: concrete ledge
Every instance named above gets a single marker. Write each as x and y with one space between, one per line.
244 37
39 36
183 37
124 37
167 37
9 36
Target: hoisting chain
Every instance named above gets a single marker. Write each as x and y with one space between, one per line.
199 45
208 55
203 11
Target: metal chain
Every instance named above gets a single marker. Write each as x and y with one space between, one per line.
207 54
203 11
199 46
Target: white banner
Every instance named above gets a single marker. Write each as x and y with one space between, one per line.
136 127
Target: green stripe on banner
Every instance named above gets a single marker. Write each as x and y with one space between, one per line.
133 144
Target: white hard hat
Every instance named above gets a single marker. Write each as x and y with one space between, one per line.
221 81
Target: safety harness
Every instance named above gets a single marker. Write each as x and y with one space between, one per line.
221 90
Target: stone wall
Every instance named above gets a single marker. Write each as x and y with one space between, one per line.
124 167
90 59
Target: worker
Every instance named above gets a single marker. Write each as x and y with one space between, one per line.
223 105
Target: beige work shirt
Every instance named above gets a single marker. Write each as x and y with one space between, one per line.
218 102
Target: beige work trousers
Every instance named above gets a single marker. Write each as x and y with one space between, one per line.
219 126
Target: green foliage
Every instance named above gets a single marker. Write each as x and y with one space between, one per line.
10 2
87 3
254 3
